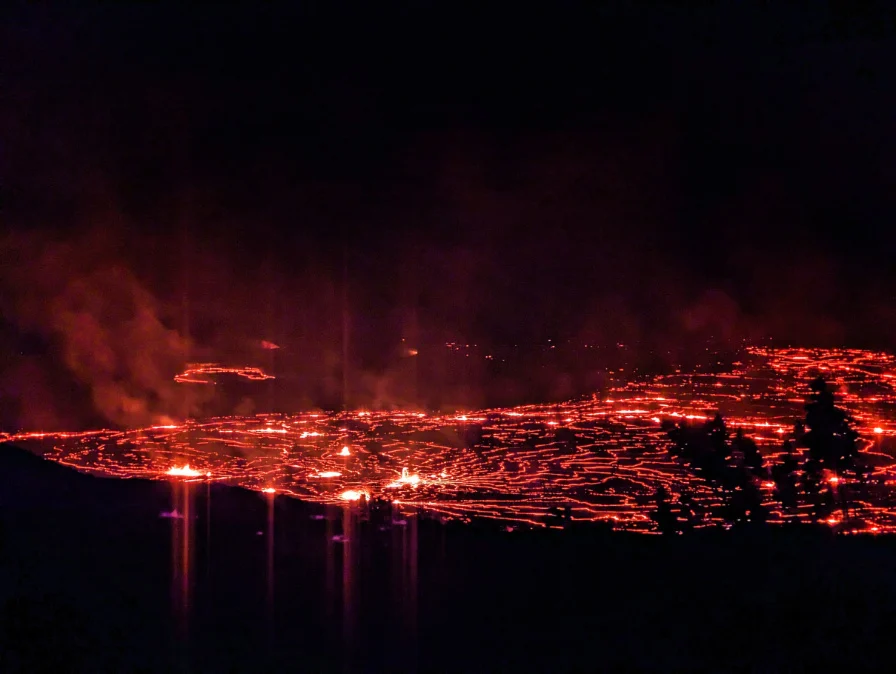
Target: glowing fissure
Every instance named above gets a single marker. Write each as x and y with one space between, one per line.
200 373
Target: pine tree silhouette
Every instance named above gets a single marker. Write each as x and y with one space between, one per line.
833 450
784 475
665 518
707 451
749 452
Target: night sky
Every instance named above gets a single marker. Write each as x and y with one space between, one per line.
182 183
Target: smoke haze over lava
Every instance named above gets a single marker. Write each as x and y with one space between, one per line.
179 192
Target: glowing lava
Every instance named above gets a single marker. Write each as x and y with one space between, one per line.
405 479
198 373
183 471
602 459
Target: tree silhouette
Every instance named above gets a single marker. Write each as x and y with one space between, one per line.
708 452
832 446
718 438
784 475
831 439
749 453
703 448
688 508
665 518
743 504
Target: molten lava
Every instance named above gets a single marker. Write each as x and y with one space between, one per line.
600 459
183 471
200 373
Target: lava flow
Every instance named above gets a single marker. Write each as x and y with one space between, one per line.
595 459
199 373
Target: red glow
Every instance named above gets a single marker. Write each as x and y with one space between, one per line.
183 471
199 373
522 472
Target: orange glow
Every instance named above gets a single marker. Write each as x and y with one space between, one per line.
198 373
524 471
405 479
269 490
183 471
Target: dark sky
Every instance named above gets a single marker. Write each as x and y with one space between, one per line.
635 172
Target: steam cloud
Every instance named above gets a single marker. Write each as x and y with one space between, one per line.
101 323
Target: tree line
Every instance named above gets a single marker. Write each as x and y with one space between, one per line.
825 478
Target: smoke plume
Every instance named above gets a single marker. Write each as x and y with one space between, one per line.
101 323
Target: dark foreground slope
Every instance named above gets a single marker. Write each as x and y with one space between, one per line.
89 582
